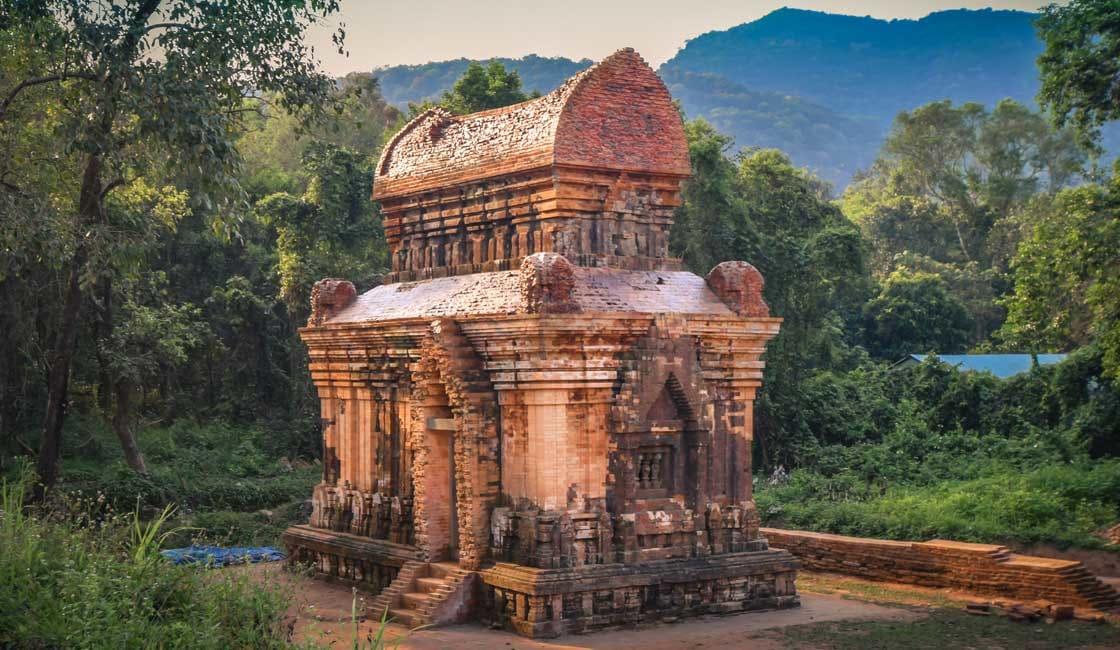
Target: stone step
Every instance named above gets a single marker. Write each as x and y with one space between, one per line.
430 585
446 570
405 617
414 599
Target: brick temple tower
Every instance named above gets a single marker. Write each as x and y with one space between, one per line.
540 420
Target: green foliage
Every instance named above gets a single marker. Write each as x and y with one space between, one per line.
768 212
82 582
1081 64
976 165
199 467
703 230
481 88
932 452
1067 287
151 338
333 230
141 95
913 313
954 191
1063 505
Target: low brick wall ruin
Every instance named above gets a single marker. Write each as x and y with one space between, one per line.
986 569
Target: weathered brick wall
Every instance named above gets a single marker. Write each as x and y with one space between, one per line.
591 171
620 116
986 569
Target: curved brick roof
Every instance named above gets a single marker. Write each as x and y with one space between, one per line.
617 114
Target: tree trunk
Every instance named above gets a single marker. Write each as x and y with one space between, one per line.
121 416
65 341
10 368
58 377
103 335
960 238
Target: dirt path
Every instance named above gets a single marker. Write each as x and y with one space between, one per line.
323 613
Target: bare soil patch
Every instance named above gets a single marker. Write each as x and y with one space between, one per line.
322 614
837 613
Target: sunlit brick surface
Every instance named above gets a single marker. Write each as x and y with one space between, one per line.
538 393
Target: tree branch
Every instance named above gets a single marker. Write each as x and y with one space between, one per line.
113 184
136 25
38 81
155 26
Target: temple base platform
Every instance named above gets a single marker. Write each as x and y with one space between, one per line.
549 602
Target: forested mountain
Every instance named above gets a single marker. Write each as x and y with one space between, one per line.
822 87
868 67
865 69
813 134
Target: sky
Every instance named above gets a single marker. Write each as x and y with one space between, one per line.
380 32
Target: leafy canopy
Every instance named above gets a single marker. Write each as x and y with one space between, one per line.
1080 68
481 88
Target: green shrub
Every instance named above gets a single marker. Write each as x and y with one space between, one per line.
1061 504
80 583
197 466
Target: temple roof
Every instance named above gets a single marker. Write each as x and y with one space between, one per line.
615 115
482 294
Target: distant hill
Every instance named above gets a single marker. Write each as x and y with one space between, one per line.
822 87
865 70
401 84
869 67
814 135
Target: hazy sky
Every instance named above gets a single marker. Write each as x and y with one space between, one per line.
417 31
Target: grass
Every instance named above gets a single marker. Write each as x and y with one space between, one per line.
227 485
942 623
75 578
1065 505
945 628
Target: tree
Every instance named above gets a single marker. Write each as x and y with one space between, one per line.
895 223
1080 67
954 191
915 313
481 88
333 230
144 85
1016 150
976 166
702 231
148 340
930 149
275 143
1067 277
777 217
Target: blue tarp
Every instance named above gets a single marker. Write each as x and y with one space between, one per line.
1000 365
221 556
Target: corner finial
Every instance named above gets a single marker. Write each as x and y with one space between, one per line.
739 285
547 281
328 297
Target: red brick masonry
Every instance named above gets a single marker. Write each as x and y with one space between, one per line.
986 569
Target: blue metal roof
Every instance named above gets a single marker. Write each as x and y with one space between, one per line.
1000 365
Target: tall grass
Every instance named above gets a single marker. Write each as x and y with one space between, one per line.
1061 504
97 581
